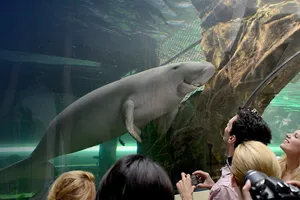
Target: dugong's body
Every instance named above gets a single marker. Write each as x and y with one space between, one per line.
114 109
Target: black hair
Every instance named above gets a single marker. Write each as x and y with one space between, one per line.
135 177
250 126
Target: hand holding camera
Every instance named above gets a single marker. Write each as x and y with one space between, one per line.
203 179
185 187
264 187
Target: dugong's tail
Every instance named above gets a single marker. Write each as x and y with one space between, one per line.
26 169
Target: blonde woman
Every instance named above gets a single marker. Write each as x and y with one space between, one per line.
290 162
252 155
73 185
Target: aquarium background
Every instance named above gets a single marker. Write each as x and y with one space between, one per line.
54 52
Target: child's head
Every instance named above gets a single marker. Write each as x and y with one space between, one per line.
73 185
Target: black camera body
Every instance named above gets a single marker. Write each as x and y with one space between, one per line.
264 187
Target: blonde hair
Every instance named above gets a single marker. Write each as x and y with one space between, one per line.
283 165
253 155
75 185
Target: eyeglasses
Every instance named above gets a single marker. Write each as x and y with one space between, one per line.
229 167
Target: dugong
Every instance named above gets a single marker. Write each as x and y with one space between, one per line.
112 110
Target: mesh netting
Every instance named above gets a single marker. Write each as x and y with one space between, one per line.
181 41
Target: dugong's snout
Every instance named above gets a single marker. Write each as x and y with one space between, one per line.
199 74
207 73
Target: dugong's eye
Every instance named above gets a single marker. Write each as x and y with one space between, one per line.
175 67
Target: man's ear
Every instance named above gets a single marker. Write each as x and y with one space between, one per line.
233 183
231 139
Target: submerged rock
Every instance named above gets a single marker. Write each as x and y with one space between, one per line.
263 41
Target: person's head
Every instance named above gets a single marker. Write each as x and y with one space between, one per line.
135 177
73 185
291 144
252 155
246 125
291 148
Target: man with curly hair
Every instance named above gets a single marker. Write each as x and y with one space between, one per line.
246 125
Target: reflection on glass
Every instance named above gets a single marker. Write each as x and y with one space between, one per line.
54 52
283 114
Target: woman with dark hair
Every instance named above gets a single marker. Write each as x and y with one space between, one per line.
135 177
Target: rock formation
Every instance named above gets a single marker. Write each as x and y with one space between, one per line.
245 51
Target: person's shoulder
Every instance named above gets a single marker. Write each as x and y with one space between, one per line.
223 192
224 180
221 188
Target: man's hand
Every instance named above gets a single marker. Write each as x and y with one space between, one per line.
207 180
185 187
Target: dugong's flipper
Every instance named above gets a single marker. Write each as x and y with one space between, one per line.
128 109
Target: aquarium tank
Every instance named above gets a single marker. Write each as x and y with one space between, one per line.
55 55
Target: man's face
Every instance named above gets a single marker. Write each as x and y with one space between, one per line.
228 129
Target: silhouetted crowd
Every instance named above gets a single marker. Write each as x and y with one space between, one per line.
137 177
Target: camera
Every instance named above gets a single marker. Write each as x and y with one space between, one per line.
264 187
195 179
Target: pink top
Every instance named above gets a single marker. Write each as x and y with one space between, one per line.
222 189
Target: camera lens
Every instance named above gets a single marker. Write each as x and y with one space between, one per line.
254 176
257 180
